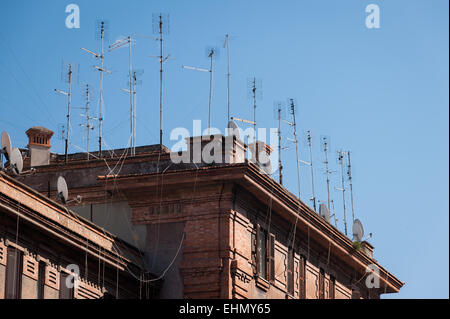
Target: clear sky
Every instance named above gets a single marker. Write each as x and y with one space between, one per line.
380 93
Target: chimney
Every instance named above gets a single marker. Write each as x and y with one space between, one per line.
39 145
367 249
261 155
215 149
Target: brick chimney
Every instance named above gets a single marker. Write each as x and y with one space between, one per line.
39 145
261 155
215 148
367 249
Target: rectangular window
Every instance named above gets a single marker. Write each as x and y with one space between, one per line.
332 287
13 273
41 280
271 257
261 254
302 277
290 271
322 284
65 292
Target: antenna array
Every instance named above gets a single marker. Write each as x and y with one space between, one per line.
161 26
341 162
101 69
68 94
88 117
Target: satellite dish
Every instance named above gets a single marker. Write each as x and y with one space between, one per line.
63 192
233 129
358 230
6 145
16 161
324 212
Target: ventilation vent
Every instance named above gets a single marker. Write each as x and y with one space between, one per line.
51 277
30 267
2 254
86 291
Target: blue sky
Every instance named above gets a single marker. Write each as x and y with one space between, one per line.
380 93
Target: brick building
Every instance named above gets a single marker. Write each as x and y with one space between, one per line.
209 230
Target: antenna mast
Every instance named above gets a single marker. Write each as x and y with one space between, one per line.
341 162
294 124
128 40
327 171
211 53
280 165
227 46
68 94
101 69
88 125
349 173
313 198
100 114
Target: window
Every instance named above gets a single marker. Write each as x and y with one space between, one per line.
13 273
64 291
332 287
302 277
322 284
263 254
41 280
290 271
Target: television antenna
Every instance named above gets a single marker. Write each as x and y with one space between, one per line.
279 113
211 53
334 213
349 173
116 45
134 82
255 92
101 69
161 26
295 140
88 117
63 192
226 45
327 171
341 162
68 94
310 164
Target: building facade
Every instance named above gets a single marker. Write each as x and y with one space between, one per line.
212 230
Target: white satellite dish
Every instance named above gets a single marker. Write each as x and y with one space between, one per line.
358 230
16 161
63 192
233 129
324 212
6 145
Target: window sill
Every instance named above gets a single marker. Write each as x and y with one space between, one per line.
262 283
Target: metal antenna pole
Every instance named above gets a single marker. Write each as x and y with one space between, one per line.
160 81
325 149
280 166
341 162
100 115
68 94
349 172
294 124
68 113
88 120
211 56
254 111
227 45
313 198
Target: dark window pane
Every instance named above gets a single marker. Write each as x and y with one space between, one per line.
13 274
65 292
